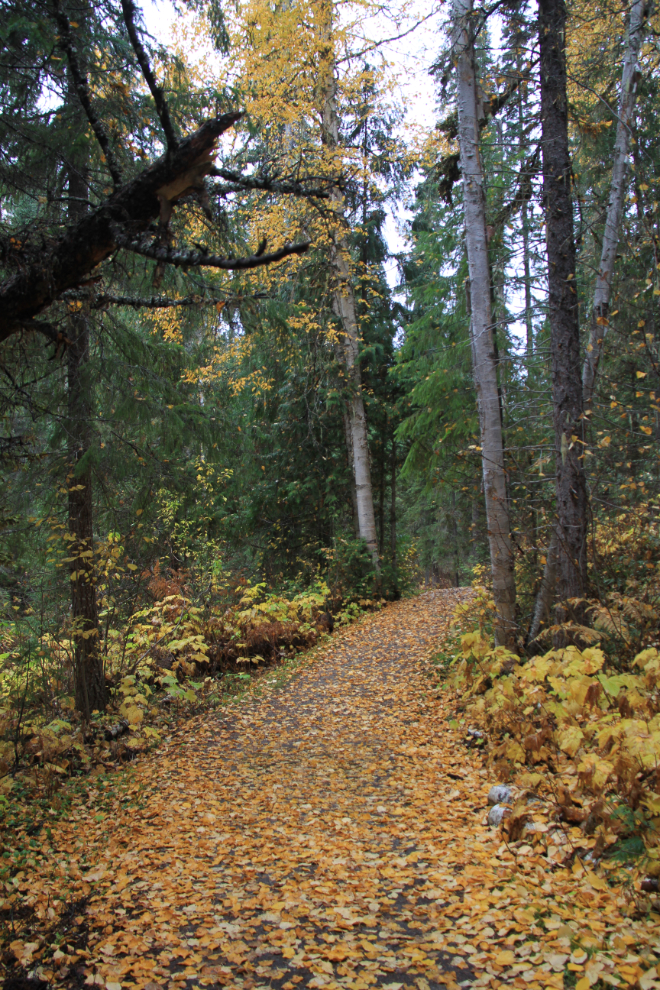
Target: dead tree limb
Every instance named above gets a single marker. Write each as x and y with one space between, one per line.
45 272
281 186
102 300
185 258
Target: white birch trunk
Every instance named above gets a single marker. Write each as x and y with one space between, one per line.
601 301
481 332
348 433
344 300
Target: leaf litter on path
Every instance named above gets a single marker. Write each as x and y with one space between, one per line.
329 834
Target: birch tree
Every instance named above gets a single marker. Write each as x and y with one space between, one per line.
343 302
481 330
601 300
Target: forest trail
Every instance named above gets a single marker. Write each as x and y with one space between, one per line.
328 834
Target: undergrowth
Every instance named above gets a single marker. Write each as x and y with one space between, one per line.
170 660
576 726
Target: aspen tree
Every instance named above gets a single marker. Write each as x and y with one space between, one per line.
601 301
481 330
343 295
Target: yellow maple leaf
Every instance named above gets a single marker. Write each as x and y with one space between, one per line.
569 739
514 751
505 958
597 882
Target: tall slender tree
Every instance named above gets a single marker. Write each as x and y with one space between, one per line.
481 329
90 689
571 489
344 303
601 300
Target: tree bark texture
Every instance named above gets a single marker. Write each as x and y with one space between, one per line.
543 602
343 301
90 689
571 489
349 455
481 332
601 301
393 504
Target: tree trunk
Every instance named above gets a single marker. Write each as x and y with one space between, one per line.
529 325
393 505
571 486
349 455
524 223
381 494
481 333
601 301
546 591
457 552
90 689
343 302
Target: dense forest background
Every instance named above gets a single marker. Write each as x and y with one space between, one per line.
212 394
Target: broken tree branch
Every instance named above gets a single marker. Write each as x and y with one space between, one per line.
44 273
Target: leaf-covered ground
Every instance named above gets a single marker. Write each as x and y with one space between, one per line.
330 833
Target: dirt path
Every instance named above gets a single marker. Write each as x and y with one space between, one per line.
329 834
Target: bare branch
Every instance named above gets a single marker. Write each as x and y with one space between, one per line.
79 77
376 45
193 259
128 9
285 187
154 302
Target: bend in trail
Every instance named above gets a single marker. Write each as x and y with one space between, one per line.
330 834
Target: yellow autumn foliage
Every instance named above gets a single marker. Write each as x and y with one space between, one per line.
588 730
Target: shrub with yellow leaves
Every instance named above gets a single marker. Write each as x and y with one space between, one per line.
589 732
